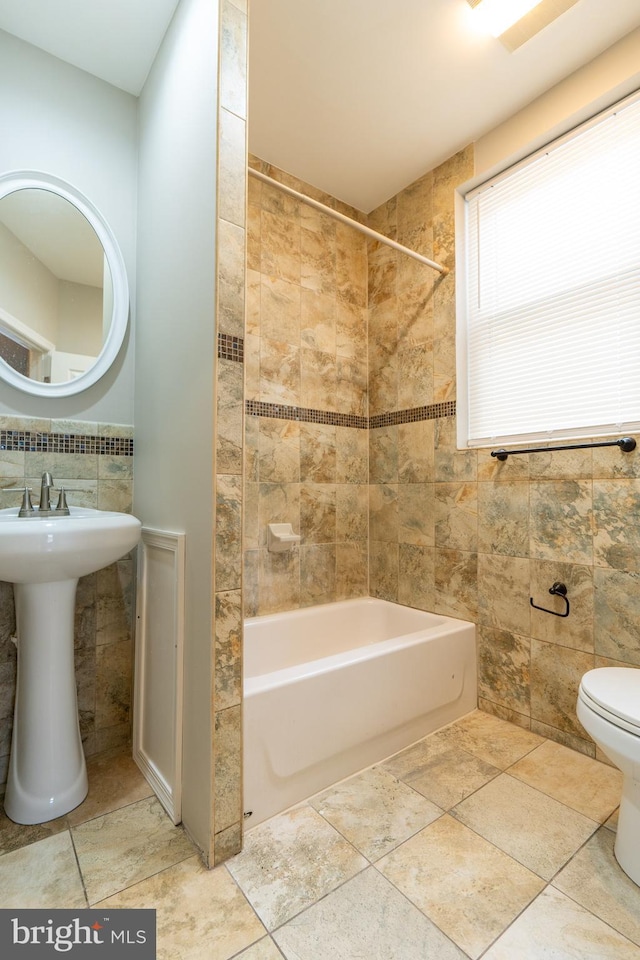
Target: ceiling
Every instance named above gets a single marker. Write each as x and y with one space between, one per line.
39 219
357 97
116 41
361 97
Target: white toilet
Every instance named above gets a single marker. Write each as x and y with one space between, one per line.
609 710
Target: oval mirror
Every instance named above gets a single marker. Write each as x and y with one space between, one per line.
64 297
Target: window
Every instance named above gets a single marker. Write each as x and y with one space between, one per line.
549 291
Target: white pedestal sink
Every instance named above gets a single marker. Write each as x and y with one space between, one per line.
43 556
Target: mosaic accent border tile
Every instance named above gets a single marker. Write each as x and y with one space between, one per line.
280 411
230 348
432 411
30 442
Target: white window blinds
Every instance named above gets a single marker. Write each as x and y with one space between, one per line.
551 324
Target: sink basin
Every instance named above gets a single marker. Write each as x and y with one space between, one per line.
44 556
45 549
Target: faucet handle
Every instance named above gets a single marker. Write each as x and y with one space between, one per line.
26 510
62 506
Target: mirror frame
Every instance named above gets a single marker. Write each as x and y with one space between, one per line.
16 180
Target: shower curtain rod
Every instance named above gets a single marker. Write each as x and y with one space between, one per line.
344 219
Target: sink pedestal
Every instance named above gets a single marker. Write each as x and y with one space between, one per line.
47 770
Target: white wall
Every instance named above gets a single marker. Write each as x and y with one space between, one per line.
175 344
61 120
607 79
28 290
79 318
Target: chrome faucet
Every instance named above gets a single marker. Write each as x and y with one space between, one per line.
46 486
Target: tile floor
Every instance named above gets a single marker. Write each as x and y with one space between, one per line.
482 840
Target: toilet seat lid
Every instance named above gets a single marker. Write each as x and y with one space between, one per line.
617 690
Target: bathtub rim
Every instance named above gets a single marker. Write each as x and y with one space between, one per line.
301 612
275 679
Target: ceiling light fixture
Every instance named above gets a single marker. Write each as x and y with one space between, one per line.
497 16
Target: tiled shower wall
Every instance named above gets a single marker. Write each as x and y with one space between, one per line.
462 534
95 460
226 788
452 531
306 391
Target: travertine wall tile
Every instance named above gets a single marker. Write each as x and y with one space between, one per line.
456 579
383 455
229 402
352 455
416 451
306 351
504 661
416 576
383 512
317 573
352 512
560 520
352 569
233 58
278 581
279 451
231 259
318 512
616 510
555 677
617 614
240 294
417 515
228 533
456 515
503 593
383 569
114 665
318 452
228 649
231 176
227 757
503 518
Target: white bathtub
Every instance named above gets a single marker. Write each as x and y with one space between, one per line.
329 690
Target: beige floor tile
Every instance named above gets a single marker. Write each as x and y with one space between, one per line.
415 757
375 812
114 782
450 776
262 950
534 829
126 846
590 787
13 836
493 740
291 861
468 887
201 914
44 874
556 928
594 879
366 917
612 822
